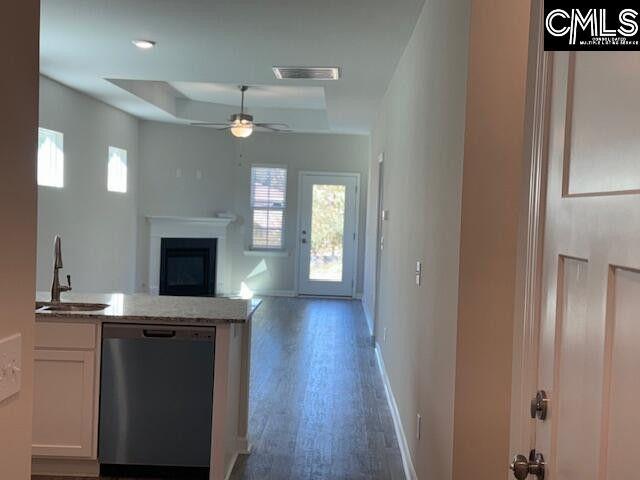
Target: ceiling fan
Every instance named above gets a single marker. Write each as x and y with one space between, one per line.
241 124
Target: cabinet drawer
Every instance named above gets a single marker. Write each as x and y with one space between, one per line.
65 335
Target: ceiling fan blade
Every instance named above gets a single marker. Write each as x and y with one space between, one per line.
275 127
222 126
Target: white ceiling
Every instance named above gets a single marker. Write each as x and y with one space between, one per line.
265 96
206 48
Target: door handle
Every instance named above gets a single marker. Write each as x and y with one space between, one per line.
523 467
150 333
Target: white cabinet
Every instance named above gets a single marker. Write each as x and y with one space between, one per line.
65 390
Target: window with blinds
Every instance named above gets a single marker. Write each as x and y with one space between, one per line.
268 201
50 158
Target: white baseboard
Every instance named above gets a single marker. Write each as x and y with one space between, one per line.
232 463
369 317
407 463
275 293
293 293
243 446
269 293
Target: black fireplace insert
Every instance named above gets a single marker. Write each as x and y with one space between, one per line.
188 266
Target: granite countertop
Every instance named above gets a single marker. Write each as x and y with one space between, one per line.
144 308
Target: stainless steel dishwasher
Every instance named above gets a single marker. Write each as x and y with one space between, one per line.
156 395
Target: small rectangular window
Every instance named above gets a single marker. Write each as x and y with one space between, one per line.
117 170
50 158
268 201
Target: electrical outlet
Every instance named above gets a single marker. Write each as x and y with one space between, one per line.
178 173
10 366
199 174
418 273
418 426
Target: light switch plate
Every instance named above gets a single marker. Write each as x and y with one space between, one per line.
10 366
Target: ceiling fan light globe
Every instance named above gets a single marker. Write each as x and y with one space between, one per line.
242 130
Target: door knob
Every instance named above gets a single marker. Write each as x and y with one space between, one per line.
522 466
540 405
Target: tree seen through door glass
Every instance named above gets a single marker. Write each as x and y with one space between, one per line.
327 233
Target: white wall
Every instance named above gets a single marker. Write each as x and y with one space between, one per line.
98 227
420 129
19 53
224 164
496 198
165 148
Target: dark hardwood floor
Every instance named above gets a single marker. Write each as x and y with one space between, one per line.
317 405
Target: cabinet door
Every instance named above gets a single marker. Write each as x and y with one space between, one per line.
63 420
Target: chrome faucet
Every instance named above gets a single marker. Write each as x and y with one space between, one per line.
56 288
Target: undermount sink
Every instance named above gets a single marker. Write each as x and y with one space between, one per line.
70 307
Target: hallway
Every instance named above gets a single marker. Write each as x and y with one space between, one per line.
318 408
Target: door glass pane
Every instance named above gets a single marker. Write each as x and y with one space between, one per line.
327 232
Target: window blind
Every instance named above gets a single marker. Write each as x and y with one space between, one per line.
50 158
268 201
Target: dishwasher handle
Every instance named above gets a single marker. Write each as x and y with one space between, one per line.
157 333
129 331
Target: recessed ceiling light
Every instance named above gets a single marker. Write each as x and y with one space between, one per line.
144 44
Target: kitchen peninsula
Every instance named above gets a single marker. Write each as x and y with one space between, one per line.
73 355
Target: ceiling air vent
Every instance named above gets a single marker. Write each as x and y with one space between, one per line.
307 73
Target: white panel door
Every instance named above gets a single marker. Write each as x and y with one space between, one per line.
327 234
589 352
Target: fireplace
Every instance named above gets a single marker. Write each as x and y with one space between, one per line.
189 228
188 266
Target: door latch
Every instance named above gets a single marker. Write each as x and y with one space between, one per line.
523 467
540 405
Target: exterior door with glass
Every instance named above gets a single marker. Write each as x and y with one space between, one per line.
327 234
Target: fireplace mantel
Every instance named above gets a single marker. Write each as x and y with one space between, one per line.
187 227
